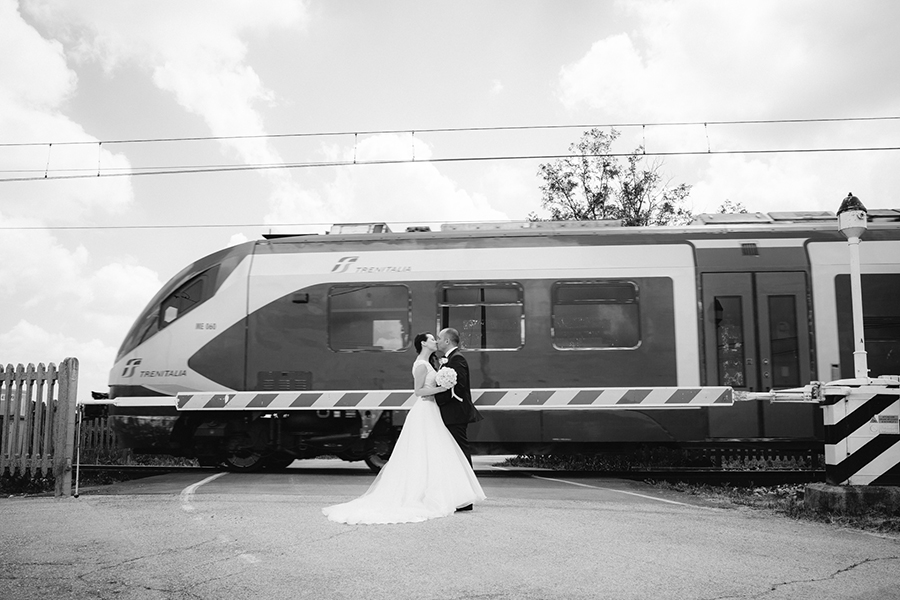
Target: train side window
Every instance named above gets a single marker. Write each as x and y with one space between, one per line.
488 316
373 318
730 340
881 322
784 343
595 315
187 297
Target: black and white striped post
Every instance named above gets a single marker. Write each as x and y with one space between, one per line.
862 431
861 415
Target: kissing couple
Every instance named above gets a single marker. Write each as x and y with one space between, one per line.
429 473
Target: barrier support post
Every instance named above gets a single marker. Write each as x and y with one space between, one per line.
862 431
853 222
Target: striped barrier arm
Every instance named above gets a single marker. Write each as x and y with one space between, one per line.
492 399
862 433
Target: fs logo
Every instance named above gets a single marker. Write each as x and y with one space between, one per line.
343 264
130 367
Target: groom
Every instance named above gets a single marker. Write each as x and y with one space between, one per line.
456 413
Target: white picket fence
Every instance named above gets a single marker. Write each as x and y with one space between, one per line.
37 431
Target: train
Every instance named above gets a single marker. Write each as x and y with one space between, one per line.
752 302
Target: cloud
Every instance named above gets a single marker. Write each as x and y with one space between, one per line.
193 50
196 51
35 85
83 309
407 192
514 189
237 239
41 81
36 266
704 60
28 343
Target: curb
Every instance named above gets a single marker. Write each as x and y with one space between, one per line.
852 499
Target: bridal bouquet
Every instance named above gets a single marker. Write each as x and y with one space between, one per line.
446 377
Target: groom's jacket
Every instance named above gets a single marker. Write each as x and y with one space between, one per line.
453 411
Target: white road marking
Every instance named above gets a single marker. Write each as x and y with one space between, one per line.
187 492
597 487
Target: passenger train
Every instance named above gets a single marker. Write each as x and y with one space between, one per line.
750 301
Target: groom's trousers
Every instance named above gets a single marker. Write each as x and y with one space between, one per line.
460 433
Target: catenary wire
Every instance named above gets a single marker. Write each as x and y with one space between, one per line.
457 130
93 174
204 226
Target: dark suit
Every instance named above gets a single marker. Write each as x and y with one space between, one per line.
455 414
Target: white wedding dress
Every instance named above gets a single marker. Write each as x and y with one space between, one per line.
426 477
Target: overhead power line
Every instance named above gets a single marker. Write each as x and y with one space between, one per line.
450 130
133 172
199 226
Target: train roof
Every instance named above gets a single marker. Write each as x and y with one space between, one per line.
791 223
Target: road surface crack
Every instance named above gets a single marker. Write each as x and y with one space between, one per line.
834 575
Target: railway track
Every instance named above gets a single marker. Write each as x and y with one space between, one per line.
755 477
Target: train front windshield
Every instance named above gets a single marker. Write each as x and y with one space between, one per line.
191 287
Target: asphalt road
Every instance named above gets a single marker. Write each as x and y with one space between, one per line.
218 536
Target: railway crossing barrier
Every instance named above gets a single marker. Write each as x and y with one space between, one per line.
37 421
489 399
862 431
862 427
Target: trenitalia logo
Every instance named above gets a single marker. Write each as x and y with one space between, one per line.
130 367
343 264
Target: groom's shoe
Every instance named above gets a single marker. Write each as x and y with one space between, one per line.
464 508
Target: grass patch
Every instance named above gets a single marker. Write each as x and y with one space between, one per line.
20 484
787 500
655 458
27 484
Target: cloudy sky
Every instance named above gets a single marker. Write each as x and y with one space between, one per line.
128 92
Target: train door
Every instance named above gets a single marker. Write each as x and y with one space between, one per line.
756 330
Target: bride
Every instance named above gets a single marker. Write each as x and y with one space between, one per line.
427 475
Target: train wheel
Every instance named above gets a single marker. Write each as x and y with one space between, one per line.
244 461
241 456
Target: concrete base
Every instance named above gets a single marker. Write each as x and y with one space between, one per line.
852 499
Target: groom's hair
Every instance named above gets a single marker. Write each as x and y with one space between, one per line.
419 339
452 335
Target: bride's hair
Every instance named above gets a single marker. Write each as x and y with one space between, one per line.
417 343
419 339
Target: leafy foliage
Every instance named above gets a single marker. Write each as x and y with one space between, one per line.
593 184
730 206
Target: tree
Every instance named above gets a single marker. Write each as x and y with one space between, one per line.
592 184
730 206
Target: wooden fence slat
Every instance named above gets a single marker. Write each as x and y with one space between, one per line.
47 452
5 415
27 421
14 449
39 425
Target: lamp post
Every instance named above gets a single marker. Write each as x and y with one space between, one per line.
852 222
